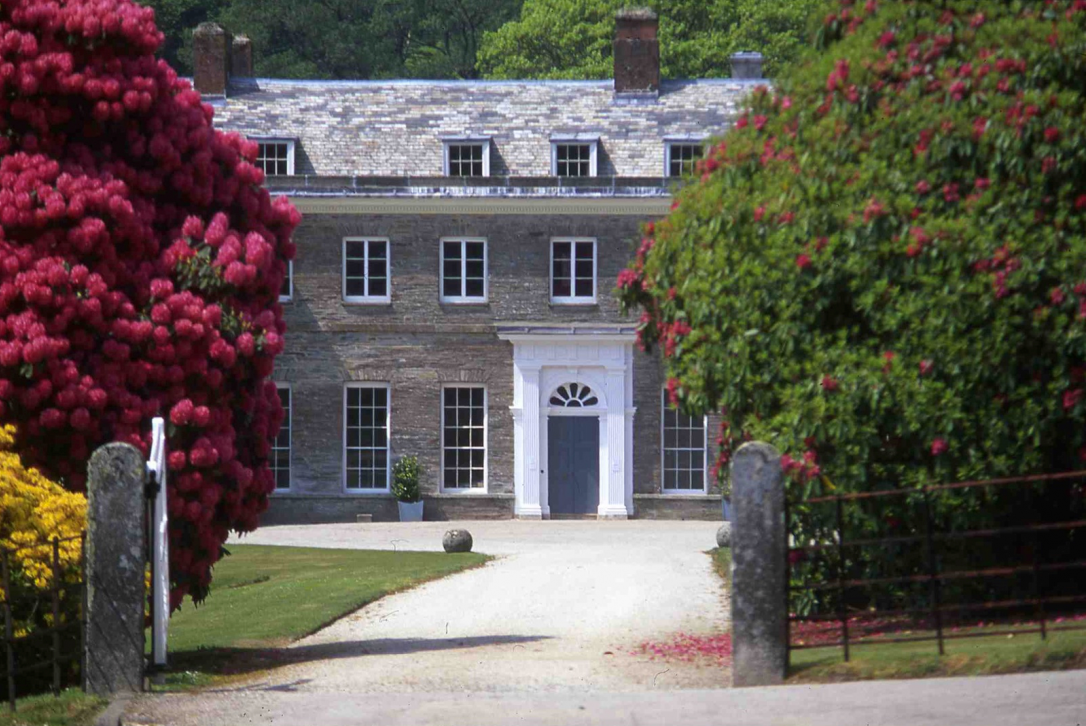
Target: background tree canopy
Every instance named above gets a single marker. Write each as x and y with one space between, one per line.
573 38
481 38
342 38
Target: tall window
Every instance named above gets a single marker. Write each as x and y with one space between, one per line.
286 290
684 450
463 270
467 159
365 270
573 159
367 408
573 271
280 451
275 157
682 157
463 431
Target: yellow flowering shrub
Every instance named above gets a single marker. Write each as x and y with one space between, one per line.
34 510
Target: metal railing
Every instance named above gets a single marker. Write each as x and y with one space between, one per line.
927 568
58 660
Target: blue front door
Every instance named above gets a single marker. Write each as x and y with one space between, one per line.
573 464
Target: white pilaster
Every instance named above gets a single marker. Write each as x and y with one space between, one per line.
613 482
528 455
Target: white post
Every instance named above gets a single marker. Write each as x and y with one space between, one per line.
160 553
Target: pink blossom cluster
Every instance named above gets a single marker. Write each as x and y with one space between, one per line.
140 264
1000 266
804 468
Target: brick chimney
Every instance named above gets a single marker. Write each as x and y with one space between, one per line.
637 51
241 61
211 46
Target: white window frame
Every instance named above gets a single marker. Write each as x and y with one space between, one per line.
467 491
573 298
388 438
289 297
483 143
669 143
367 299
277 140
289 422
593 157
665 406
463 299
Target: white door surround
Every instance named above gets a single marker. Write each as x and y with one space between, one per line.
546 358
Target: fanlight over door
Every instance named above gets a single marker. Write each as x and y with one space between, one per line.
574 395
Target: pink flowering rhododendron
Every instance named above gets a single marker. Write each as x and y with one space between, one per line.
140 265
885 277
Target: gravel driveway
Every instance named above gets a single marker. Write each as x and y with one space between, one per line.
561 609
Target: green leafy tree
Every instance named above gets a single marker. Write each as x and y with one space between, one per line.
881 267
881 270
573 38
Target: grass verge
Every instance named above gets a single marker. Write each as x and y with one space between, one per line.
265 597
722 564
978 656
71 708
975 656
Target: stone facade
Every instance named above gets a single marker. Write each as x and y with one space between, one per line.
417 344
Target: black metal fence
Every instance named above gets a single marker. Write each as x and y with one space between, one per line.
43 641
900 559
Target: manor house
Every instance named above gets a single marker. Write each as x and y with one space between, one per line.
452 294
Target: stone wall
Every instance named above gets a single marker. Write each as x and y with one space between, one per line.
318 365
417 344
518 252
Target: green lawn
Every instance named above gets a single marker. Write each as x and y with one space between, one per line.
964 657
71 708
262 598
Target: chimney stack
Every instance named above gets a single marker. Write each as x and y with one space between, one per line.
637 51
211 48
746 65
241 61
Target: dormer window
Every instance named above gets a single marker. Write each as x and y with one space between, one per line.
682 156
467 156
574 156
275 156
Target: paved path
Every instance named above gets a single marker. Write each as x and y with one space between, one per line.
1036 699
560 609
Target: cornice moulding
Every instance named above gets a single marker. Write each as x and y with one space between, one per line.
658 206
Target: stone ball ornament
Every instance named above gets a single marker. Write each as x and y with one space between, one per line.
457 540
724 535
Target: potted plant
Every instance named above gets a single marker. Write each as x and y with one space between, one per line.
405 487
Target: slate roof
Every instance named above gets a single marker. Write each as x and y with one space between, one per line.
395 128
